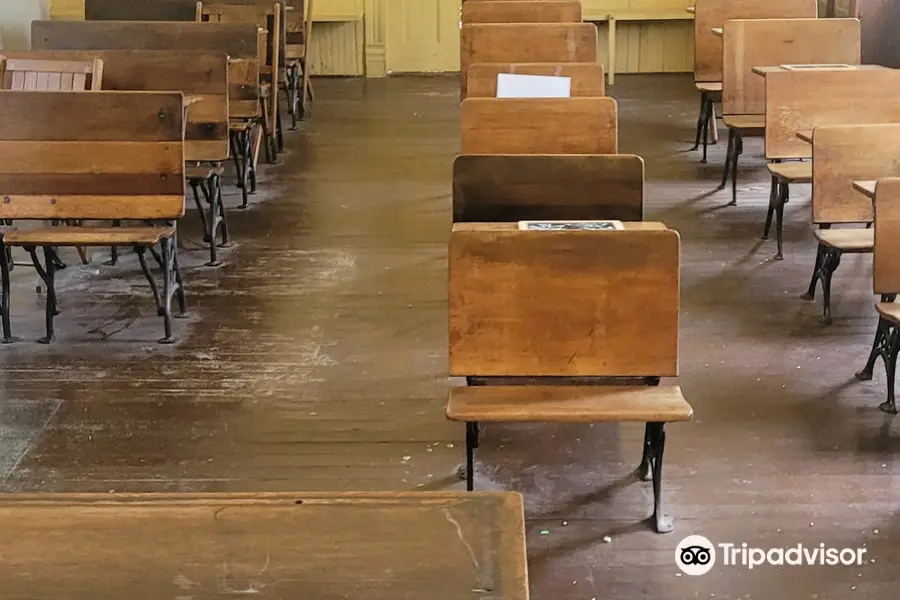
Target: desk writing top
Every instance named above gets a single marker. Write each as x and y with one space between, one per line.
442 546
763 71
867 188
602 15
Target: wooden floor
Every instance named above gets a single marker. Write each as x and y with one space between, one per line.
316 359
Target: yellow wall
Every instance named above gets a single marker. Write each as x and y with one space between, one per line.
338 36
338 48
375 38
652 36
67 9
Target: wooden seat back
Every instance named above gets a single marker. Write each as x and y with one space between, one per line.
539 126
139 10
103 155
402 544
843 154
804 101
525 42
772 42
239 41
563 303
267 17
51 74
586 78
509 188
709 14
517 11
886 260
298 29
294 17
201 75
265 14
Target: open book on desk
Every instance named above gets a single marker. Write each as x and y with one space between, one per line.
571 226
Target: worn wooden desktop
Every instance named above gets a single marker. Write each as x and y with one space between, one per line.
708 14
758 42
442 546
802 101
764 71
867 188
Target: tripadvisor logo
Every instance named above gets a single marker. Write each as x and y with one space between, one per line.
696 555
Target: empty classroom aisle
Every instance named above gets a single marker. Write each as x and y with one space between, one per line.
316 359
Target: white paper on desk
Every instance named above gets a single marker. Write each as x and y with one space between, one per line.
511 85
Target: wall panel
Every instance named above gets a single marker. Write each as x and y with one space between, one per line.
650 46
653 36
338 48
375 38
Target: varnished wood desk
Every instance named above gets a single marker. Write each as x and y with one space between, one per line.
440 546
866 188
763 71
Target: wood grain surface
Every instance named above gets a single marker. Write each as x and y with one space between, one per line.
753 43
710 14
804 101
539 126
516 11
558 187
525 42
201 75
563 303
844 154
97 155
568 404
240 41
444 546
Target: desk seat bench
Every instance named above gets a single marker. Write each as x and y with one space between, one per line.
886 284
843 155
612 297
102 156
653 405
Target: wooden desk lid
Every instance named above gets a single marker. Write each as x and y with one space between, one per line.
441 546
564 303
